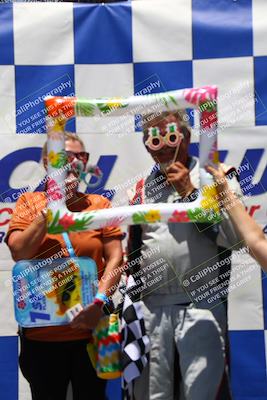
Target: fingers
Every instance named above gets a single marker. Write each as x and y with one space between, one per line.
171 178
211 170
217 173
78 323
78 320
74 323
176 172
178 176
175 167
80 326
44 213
87 318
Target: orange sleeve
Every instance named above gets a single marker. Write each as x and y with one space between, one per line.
110 231
22 216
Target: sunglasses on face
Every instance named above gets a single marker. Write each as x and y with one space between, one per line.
81 156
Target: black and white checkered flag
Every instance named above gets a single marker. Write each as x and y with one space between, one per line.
135 342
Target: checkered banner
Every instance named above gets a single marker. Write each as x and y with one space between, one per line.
135 342
120 50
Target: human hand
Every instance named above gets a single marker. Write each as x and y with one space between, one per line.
179 176
219 178
40 221
88 318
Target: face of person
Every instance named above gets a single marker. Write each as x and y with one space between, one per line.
166 153
76 154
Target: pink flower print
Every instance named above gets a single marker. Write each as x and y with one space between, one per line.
66 221
21 304
53 190
200 95
179 216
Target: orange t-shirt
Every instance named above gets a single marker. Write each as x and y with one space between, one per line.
88 243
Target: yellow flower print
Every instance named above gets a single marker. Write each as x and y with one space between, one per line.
53 157
115 102
49 216
210 198
152 216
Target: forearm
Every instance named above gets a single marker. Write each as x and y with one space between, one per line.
25 244
245 226
251 233
111 277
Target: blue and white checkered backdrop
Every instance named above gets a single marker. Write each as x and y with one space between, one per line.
123 49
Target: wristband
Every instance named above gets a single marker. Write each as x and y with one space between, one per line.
99 303
103 297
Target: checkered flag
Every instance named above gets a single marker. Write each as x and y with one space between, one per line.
135 342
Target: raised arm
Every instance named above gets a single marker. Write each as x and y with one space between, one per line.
247 228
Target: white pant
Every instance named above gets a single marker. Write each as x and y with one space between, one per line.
200 345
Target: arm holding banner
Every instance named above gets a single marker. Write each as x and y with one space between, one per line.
249 230
24 243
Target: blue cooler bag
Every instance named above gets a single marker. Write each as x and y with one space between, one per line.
44 290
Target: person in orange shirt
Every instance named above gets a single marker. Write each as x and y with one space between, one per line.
52 357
